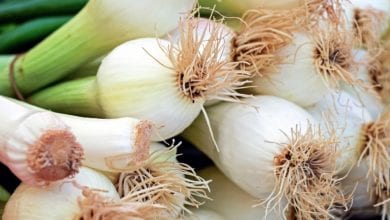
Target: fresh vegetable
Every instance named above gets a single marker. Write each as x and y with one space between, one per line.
99 27
282 52
103 140
162 181
153 79
363 140
37 146
90 196
270 148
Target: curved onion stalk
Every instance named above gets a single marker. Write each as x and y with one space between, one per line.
231 201
281 54
99 27
367 19
162 181
152 79
363 140
38 147
92 196
370 72
102 139
272 145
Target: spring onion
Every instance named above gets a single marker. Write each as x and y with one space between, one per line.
102 139
272 145
37 146
90 196
163 181
363 140
153 79
99 27
282 52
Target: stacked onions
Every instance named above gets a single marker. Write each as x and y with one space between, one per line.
291 109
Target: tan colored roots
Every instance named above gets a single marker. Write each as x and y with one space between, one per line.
376 152
379 72
317 10
367 26
264 33
163 182
202 70
94 206
333 57
55 156
304 173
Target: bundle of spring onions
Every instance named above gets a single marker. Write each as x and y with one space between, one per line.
291 107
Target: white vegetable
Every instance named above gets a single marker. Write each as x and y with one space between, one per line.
58 201
107 143
282 54
161 180
154 80
37 146
264 145
363 140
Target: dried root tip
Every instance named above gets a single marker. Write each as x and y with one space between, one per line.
304 174
367 25
202 70
376 152
379 72
333 57
163 182
264 33
94 206
317 10
55 155
143 133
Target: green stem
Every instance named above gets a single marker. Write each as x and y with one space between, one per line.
77 97
98 28
18 11
51 59
30 33
89 69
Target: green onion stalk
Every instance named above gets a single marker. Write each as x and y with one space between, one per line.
99 27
